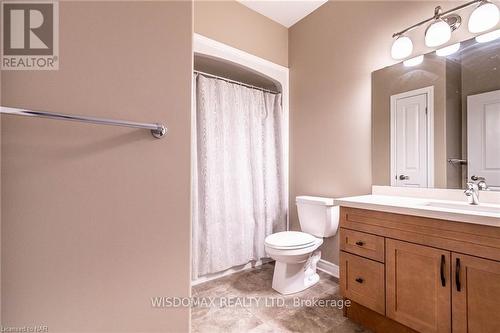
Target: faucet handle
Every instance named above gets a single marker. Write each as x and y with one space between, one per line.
471 186
483 186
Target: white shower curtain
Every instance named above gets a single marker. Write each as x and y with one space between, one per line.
238 174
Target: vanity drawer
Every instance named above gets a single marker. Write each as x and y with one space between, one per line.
363 244
363 281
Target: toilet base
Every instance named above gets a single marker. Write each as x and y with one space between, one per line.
290 278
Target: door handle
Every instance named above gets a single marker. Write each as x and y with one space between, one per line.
359 280
403 177
457 274
443 264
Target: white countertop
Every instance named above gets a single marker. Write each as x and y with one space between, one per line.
461 211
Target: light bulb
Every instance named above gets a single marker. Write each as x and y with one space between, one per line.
446 51
437 33
484 17
488 37
401 48
414 61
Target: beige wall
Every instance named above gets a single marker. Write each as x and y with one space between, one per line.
232 23
332 54
95 218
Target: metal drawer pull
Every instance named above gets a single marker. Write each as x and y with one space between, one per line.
359 280
457 274
360 243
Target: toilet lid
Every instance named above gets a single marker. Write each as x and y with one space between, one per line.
289 239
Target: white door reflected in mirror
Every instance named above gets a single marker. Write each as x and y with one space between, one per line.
409 138
483 133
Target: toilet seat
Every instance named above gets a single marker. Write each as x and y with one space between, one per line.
290 240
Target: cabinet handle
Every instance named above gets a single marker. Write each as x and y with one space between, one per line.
360 243
457 274
443 264
359 280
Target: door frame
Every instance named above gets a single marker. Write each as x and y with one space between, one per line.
429 91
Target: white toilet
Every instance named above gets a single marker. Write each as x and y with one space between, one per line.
295 268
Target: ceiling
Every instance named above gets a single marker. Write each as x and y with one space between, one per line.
285 12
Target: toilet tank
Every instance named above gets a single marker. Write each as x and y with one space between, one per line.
318 216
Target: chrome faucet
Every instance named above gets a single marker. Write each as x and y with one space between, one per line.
472 193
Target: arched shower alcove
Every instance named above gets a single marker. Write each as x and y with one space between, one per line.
225 62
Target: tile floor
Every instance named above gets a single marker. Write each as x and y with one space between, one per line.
226 315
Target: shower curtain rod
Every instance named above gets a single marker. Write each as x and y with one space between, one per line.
157 130
235 82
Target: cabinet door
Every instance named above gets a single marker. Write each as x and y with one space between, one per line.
418 292
362 280
476 295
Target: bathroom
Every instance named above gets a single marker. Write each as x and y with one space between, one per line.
100 225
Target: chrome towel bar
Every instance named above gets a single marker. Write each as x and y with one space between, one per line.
157 130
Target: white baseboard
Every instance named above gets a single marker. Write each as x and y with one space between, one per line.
230 271
323 265
328 268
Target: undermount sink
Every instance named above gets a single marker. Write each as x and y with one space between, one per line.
464 206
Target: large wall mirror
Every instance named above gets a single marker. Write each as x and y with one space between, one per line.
437 124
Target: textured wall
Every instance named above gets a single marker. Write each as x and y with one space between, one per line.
96 219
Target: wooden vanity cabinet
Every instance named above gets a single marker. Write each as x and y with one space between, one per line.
475 294
418 286
363 281
435 275
363 244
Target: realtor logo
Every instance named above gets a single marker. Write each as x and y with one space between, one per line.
30 35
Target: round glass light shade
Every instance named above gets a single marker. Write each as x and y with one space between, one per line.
446 51
414 61
401 48
437 33
488 37
484 17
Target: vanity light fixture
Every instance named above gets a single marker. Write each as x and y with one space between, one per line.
414 61
488 37
402 47
448 50
484 17
437 33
